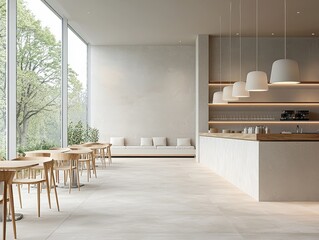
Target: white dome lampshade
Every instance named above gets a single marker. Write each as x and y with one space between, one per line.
218 98
257 81
239 90
228 94
285 71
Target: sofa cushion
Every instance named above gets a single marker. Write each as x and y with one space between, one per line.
117 141
183 142
159 141
146 141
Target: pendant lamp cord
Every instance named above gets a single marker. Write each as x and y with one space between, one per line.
220 53
240 40
230 42
285 1
257 31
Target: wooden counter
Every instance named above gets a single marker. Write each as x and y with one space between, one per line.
265 137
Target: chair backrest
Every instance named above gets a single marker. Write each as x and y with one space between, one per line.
36 154
46 161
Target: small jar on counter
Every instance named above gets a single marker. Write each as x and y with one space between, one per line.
267 130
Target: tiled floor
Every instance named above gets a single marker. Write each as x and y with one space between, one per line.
157 199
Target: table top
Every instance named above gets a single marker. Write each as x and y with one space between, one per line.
80 151
16 165
93 145
49 151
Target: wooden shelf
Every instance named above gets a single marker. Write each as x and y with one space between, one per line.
299 85
265 137
262 122
265 104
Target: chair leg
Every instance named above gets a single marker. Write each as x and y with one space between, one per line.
88 170
47 183
19 192
30 175
38 193
65 174
4 212
78 175
57 176
94 167
71 180
12 212
55 192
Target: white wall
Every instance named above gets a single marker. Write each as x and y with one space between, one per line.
143 91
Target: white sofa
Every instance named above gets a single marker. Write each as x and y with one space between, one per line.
118 149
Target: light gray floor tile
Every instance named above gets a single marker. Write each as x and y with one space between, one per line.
157 199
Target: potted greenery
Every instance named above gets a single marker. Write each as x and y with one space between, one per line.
78 133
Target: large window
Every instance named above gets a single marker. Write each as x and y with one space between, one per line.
77 79
39 35
39 77
3 61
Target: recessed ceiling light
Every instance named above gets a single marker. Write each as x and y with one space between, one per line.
298 12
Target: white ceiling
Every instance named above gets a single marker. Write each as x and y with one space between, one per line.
104 22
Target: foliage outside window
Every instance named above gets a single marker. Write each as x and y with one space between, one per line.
77 78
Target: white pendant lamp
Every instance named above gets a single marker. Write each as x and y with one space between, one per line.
285 71
228 91
228 94
218 96
239 88
257 80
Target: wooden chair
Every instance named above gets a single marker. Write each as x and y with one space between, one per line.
47 177
88 160
34 170
6 177
101 150
68 163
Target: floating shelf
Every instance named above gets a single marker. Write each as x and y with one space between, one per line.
303 84
263 122
262 104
